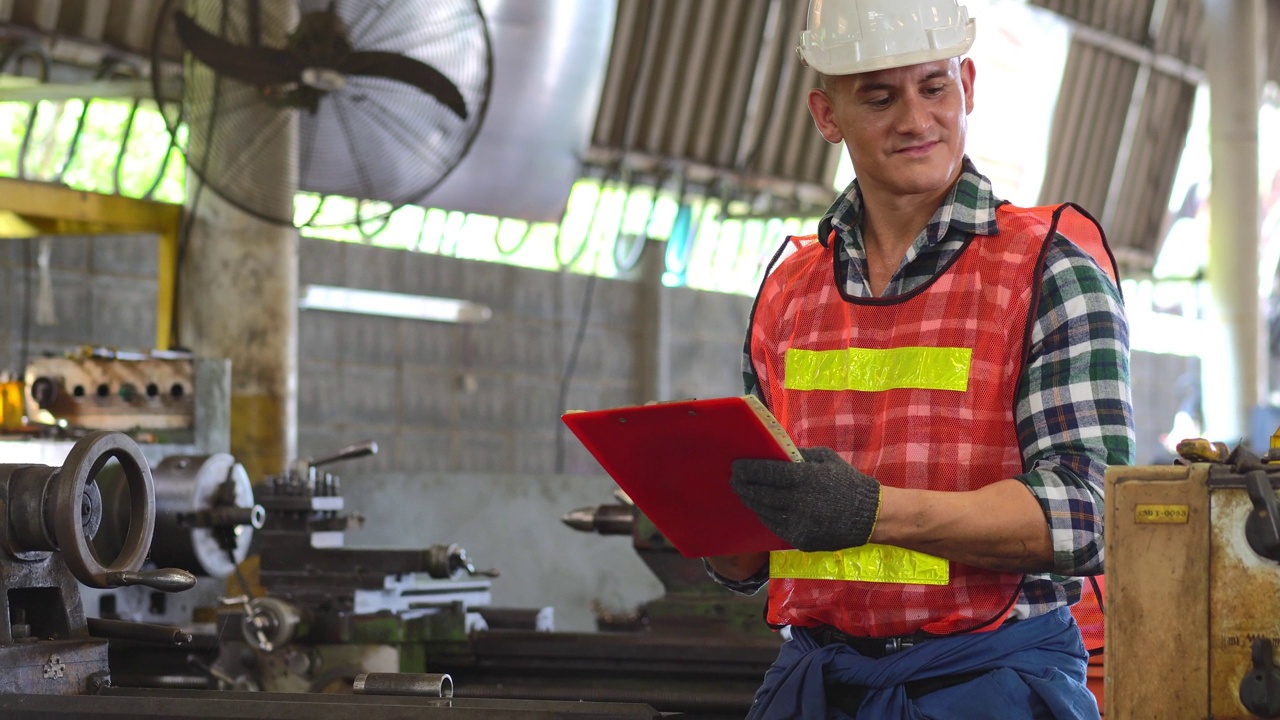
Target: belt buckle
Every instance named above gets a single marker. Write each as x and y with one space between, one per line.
897 644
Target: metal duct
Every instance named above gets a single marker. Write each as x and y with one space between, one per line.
549 62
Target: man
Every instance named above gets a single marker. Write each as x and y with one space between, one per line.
956 373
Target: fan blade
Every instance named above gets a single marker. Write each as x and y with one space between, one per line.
409 71
256 66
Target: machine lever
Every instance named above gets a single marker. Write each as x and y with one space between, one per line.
1262 528
1260 688
164 579
139 632
360 449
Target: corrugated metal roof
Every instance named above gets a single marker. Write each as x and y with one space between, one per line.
1123 114
714 88
121 25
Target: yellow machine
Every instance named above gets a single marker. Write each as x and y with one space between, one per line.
1193 604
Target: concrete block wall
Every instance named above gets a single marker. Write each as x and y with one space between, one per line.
485 398
104 293
510 523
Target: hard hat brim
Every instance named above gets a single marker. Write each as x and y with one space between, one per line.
888 62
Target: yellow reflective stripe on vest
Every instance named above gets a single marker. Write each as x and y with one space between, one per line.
868 563
876 370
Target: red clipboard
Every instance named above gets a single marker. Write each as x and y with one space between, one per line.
674 459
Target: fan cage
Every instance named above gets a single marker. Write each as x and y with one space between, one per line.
370 147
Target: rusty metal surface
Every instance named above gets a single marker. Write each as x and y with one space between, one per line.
1157 593
1244 600
1202 450
113 394
51 667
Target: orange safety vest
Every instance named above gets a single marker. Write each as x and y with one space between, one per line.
918 391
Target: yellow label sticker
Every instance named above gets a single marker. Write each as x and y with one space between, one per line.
1160 514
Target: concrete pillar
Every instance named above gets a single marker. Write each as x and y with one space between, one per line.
1234 368
653 326
238 300
238 280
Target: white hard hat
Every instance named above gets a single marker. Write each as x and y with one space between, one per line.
845 37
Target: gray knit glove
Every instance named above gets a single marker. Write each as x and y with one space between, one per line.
822 503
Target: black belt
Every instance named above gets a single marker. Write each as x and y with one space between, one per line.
866 646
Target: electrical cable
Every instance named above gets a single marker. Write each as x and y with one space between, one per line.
184 238
682 245
524 237
584 314
124 144
189 217
315 213
28 266
367 235
625 262
571 365
586 239
105 69
723 193
18 53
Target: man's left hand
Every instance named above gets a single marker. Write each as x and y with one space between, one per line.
823 503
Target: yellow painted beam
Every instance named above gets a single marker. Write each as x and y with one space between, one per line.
166 287
12 226
57 209
58 202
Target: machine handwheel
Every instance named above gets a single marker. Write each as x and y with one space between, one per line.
87 457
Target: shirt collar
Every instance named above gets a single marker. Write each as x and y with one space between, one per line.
969 208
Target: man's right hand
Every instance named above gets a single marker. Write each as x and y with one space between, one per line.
738 567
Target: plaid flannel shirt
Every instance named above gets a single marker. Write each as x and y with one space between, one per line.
1073 414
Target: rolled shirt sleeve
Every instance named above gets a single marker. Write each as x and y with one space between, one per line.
1074 413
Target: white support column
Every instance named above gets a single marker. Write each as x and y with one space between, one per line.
1233 368
653 323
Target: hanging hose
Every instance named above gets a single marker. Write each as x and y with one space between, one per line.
105 69
17 53
366 235
315 213
684 233
124 141
508 252
422 232
723 191
591 225
627 261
